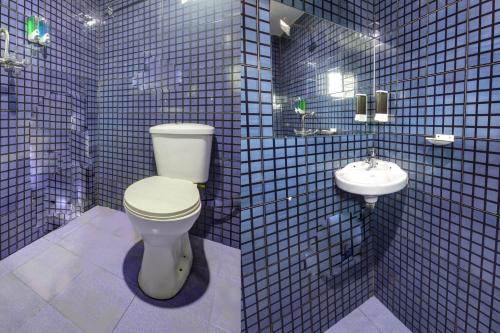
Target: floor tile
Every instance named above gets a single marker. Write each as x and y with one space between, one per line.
50 272
144 317
95 301
226 312
382 318
4 269
48 320
354 322
88 269
63 231
23 255
196 296
223 262
100 248
22 305
110 222
371 316
83 239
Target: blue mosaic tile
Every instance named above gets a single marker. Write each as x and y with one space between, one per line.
434 241
46 110
164 62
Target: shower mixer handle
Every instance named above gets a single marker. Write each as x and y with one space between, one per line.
5 59
5 32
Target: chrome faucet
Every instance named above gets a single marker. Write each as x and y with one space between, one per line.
372 158
303 117
303 131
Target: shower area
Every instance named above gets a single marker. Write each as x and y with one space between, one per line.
75 109
47 112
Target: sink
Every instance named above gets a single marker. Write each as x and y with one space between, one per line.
371 180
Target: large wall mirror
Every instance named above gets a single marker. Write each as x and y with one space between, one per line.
323 75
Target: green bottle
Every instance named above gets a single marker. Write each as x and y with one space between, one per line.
32 29
300 106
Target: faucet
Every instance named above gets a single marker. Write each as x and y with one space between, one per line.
5 32
372 158
303 131
303 117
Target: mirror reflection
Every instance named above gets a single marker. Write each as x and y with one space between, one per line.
322 75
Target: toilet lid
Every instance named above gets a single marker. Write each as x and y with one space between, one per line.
162 197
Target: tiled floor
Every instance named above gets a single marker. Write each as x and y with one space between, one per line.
371 317
82 278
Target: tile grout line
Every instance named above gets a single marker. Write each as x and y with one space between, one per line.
123 314
383 308
370 320
48 303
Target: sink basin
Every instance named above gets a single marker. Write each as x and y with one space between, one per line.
371 182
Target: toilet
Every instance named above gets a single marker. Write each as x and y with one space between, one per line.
163 208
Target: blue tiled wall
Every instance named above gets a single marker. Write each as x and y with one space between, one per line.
288 196
46 167
353 14
436 242
171 61
287 199
434 252
74 129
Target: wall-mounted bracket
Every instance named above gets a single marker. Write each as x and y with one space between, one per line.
441 139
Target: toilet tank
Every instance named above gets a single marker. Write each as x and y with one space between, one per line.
183 150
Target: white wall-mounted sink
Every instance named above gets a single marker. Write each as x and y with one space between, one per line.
371 180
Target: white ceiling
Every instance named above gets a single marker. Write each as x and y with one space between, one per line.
281 11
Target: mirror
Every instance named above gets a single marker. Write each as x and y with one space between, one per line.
322 73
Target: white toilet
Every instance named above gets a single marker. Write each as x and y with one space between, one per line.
163 208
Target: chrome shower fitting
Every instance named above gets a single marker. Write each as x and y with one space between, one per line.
5 32
6 60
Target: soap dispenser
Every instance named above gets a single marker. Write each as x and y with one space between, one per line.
37 30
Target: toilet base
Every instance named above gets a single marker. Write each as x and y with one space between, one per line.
165 267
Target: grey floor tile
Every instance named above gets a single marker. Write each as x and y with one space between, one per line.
226 312
110 221
83 239
50 272
354 322
100 248
49 320
23 255
96 213
95 301
58 234
144 317
80 269
382 318
371 316
4 269
22 305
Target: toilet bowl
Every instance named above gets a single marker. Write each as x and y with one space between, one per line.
163 208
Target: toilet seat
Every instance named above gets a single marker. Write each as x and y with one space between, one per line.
162 199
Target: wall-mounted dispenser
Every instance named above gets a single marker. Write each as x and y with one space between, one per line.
361 107
37 30
382 106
